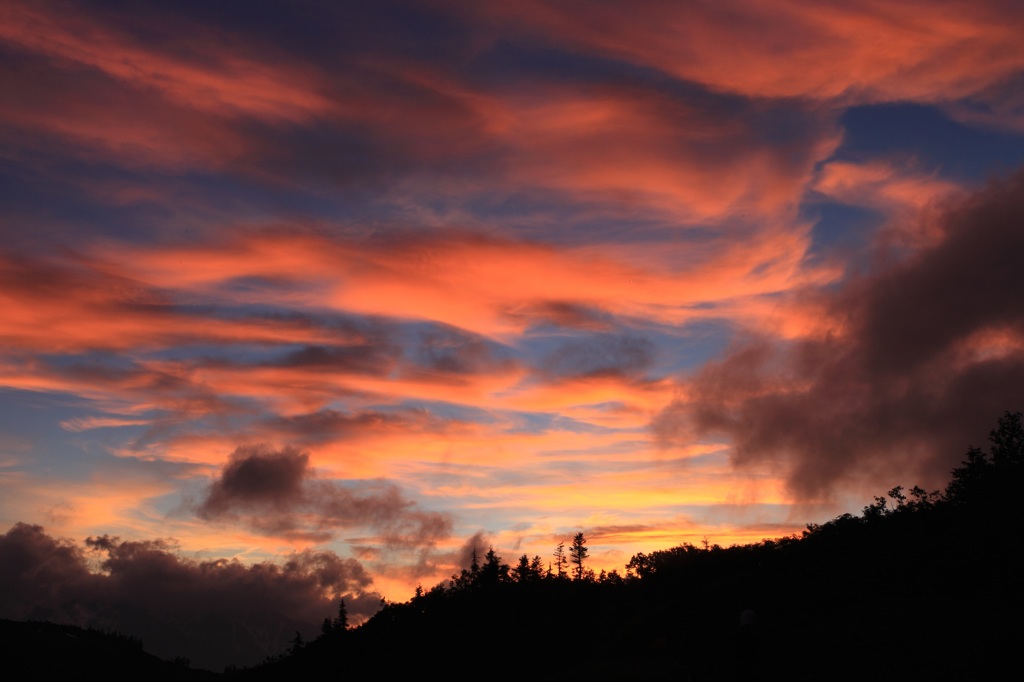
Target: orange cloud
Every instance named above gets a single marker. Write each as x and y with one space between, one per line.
645 152
477 283
861 51
881 185
498 362
211 77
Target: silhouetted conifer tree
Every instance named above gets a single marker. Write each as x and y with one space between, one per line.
560 560
521 572
493 571
341 622
579 552
528 570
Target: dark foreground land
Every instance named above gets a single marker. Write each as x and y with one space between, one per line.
920 585
48 651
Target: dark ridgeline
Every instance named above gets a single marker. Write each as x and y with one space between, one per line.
38 650
921 584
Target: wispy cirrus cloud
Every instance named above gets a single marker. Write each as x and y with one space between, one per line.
867 50
878 184
207 75
465 255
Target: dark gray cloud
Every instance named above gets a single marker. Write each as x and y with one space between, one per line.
276 492
444 352
925 363
435 352
328 425
601 355
567 314
256 477
477 543
371 356
215 612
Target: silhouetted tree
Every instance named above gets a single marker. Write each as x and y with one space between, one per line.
897 496
640 565
493 571
528 570
340 623
876 510
1007 441
560 560
611 577
522 573
467 578
578 551
953 557
921 499
986 478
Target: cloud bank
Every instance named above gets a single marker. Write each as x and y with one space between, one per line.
917 358
215 612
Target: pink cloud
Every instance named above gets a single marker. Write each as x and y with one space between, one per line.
860 51
219 72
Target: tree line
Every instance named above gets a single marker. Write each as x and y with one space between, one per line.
494 571
886 592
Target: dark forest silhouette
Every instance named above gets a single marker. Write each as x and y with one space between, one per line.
49 651
917 584
921 583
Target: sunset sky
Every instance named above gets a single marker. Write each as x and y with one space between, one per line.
371 283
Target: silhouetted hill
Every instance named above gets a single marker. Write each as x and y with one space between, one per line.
48 651
919 585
